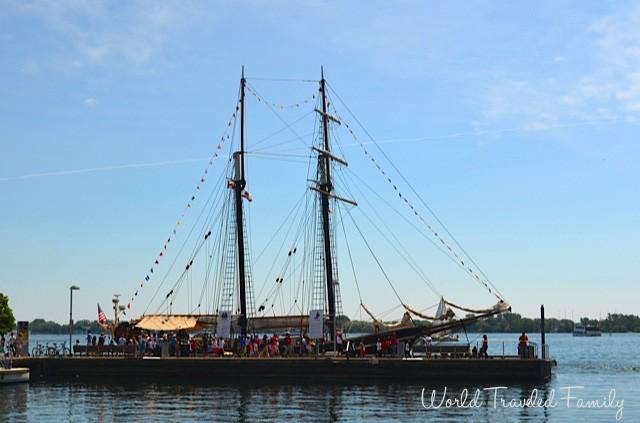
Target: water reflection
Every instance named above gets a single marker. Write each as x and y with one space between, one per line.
245 402
136 400
598 364
13 399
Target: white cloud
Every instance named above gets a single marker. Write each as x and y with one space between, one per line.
607 88
111 33
90 102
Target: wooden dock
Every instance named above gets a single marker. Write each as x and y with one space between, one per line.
294 369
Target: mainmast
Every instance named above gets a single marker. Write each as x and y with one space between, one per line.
240 183
325 187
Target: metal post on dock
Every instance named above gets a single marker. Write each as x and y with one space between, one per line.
542 340
71 289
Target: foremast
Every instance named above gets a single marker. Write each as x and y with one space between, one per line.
239 186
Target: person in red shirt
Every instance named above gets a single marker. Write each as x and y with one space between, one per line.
385 346
523 340
394 344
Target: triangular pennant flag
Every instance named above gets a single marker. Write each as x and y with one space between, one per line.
161 254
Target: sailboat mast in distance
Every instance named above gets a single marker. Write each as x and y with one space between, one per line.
325 188
240 183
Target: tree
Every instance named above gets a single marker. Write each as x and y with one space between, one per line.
7 321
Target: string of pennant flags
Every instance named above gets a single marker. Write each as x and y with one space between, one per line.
459 259
194 195
277 105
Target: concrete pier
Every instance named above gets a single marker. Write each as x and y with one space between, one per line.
295 369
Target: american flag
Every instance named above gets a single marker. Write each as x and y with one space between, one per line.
102 318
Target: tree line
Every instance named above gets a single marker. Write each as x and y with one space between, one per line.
515 323
49 327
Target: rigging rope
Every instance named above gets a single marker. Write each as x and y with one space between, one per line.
417 214
402 252
280 106
375 257
492 289
194 195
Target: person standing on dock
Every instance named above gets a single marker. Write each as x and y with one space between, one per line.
522 345
485 347
361 350
339 342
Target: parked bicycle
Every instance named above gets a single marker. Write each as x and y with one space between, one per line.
39 350
54 350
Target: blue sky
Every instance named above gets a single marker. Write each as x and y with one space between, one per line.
518 124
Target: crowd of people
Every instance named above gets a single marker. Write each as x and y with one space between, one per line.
182 344
13 345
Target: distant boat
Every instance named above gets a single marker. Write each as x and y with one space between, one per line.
582 330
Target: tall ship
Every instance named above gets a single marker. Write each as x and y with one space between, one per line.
268 251
203 277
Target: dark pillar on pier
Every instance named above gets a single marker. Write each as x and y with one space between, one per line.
542 329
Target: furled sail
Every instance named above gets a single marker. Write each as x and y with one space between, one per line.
406 321
163 322
441 315
500 305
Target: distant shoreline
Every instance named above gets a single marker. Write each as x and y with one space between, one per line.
505 323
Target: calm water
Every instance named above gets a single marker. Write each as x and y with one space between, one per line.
597 364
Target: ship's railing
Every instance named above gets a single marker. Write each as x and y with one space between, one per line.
510 349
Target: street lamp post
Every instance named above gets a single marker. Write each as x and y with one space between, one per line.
71 289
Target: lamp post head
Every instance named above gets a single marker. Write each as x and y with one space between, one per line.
74 287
